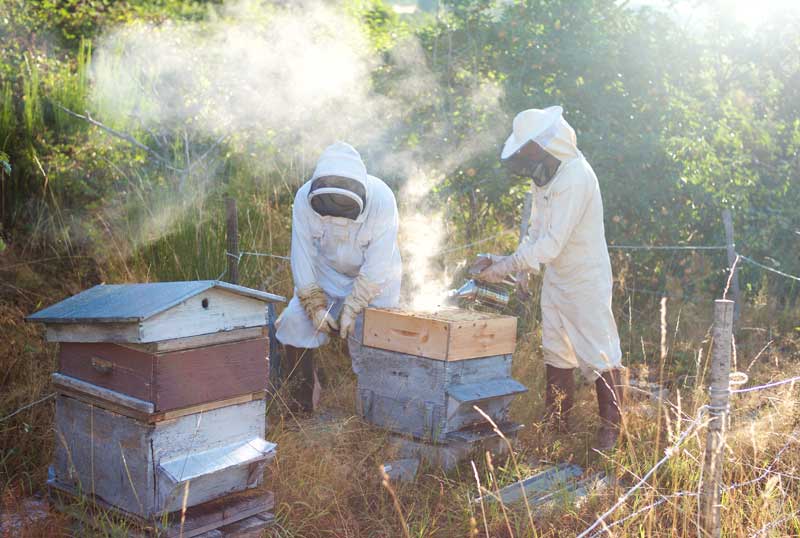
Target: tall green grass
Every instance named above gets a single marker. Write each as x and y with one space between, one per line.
69 87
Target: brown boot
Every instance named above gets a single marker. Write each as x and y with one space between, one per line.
609 402
299 376
559 397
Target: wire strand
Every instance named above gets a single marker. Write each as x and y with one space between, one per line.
669 452
666 247
770 269
767 386
28 406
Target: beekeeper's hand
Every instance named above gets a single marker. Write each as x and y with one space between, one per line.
315 303
323 321
501 267
347 322
363 292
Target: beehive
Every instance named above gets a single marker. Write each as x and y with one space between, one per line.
161 393
422 373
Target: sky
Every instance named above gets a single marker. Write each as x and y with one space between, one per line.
751 13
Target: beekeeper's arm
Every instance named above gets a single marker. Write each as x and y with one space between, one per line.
567 206
310 294
546 239
377 269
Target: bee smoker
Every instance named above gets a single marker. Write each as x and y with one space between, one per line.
478 292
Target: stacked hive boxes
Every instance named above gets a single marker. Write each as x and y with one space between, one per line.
161 397
423 374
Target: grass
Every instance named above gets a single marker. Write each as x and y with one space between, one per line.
326 476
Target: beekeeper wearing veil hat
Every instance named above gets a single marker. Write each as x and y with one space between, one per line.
344 257
566 239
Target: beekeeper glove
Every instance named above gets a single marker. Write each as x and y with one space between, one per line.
363 292
315 303
501 267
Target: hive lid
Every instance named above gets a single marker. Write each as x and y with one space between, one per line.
121 303
475 392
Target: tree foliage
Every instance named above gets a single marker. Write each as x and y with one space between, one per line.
678 121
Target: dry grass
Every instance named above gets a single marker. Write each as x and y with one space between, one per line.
326 476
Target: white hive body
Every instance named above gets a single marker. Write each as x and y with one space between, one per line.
434 400
143 469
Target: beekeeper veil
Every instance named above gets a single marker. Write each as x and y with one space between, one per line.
548 128
338 186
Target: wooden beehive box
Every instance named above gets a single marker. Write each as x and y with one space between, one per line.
432 398
155 348
145 469
447 335
161 391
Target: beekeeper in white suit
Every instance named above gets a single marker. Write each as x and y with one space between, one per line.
344 257
566 238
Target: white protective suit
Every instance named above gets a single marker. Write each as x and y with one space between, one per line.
567 236
333 251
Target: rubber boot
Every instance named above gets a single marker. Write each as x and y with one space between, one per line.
609 403
559 397
299 378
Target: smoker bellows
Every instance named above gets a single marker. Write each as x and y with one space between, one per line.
161 395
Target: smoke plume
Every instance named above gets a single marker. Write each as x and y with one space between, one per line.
276 84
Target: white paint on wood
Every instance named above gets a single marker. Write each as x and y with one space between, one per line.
224 311
203 340
212 473
212 429
98 332
102 393
116 456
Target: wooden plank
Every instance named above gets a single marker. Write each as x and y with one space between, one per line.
208 406
102 394
190 342
211 311
153 417
111 366
106 404
450 335
395 331
216 514
221 512
203 431
531 489
252 527
82 332
206 374
172 380
104 454
482 338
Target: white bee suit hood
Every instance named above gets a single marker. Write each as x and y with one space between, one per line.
566 235
333 251
546 127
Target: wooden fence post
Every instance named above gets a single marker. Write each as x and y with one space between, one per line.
710 522
727 221
232 239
